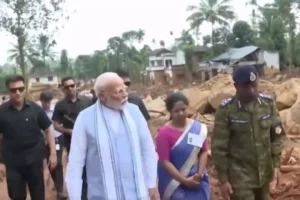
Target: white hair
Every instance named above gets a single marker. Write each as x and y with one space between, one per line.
102 80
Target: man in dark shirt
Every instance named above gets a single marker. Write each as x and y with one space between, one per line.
67 109
133 98
57 173
94 97
65 114
23 145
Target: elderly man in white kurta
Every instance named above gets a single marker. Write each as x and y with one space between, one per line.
112 138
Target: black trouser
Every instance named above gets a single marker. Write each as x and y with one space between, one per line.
18 176
84 179
57 173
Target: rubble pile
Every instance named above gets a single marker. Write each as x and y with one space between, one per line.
206 97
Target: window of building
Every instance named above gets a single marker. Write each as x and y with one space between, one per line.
152 63
37 80
50 78
159 63
168 63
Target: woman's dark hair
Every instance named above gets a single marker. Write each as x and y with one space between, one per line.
174 98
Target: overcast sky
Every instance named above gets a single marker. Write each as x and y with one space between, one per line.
95 21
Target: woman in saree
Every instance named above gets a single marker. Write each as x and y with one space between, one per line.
182 151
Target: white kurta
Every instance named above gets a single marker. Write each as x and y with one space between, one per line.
84 147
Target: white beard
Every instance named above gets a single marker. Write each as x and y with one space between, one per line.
117 106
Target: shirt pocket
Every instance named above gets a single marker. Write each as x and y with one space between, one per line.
265 123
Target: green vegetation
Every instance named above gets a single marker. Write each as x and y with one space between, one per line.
35 22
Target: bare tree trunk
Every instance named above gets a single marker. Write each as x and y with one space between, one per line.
212 37
21 42
292 39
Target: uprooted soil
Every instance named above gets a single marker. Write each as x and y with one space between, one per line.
204 99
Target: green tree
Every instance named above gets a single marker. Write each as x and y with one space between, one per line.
44 48
272 30
213 11
243 33
64 62
27 17
287 9
186 38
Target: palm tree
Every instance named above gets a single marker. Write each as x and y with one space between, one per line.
29 54
44 48
213 11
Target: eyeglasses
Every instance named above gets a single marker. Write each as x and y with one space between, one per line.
127 83
120 91
14 90
69 86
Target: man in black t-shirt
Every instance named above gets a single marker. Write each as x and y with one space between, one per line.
134 98
65 114
23 144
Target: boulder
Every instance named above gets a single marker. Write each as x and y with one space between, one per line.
218 94
198 100
287 93
147 99
156 106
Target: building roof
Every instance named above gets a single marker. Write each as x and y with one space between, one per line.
236 53
158 52
42 72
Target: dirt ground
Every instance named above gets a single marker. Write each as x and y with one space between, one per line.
289 186
50 194
49 185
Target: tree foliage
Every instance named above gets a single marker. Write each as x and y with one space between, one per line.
24 18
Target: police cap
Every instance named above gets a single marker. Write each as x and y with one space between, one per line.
245 74
46 95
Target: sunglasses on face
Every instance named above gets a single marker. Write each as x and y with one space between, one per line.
14 90
69 86
127 83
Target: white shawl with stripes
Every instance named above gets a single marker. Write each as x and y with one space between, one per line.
111 178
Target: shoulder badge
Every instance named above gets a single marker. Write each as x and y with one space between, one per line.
278 130
225 102
252 77
265 96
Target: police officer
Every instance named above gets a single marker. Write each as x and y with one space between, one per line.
247 140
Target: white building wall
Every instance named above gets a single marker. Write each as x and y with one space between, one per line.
43 80
177 59
270 58
180 58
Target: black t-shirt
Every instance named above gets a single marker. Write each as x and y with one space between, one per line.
66 112
139 102
23 140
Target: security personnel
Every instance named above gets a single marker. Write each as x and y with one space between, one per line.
23 147
247 140
46 98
